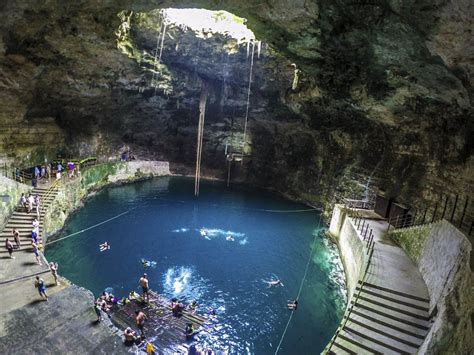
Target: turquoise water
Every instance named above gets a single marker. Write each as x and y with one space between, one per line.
163 226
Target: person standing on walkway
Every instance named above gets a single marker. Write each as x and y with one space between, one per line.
48 172
35 224
39 284
16 237
145 287
54 271
9 247
59 168
36 252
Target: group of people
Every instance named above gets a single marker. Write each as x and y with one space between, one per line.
41 285
30 202
104 303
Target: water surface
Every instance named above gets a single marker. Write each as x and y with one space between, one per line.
249 239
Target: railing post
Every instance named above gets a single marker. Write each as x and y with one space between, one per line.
363 224
434 212
445 206
454 208
464 211
396 222
424 215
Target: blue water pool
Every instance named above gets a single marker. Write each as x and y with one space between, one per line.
250 237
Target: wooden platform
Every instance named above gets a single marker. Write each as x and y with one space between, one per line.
164 330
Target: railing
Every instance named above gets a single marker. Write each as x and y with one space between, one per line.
453 209
49 193
368 237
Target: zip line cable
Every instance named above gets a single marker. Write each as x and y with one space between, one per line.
301 288
91 227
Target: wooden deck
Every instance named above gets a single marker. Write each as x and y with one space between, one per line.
164 330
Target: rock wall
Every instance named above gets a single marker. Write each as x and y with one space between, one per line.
442 255
10 192
72 194
352 250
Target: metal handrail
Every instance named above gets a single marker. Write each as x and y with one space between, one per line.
370 251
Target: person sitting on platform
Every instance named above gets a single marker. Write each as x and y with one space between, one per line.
177 308
130 336
193 306
189 330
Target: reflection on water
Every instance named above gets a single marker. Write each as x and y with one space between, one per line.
221 257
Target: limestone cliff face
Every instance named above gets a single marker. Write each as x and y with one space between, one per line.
384 89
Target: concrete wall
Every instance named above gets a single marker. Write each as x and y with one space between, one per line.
442 254
10 192
72 194
350 246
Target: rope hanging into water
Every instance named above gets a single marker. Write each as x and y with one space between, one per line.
202 113
91 227
301 288
248 104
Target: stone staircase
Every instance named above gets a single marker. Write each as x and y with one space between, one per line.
22 221
391 313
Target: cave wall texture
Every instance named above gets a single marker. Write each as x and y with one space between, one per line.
384 91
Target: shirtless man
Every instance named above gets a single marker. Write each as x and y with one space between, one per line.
16 237
145 287
140 318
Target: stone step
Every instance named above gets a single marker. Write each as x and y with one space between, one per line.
361 344
24 249
394 298
24 213
14 222
27 224
395 306
394 324
340 346
389 314
395 292
374 342
385 333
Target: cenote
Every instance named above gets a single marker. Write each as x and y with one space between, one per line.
268 241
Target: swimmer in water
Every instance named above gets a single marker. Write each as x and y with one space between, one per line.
293 305
146 263
229 238
274 283
104 246
203 232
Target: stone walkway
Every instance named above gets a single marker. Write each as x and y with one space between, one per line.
66 323
391 314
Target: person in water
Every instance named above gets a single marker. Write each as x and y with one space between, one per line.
229 238
293 305
274 283
104 246
203 232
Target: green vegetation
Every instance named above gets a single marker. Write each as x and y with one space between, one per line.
98 175
412 240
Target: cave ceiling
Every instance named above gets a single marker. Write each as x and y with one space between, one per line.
381 85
